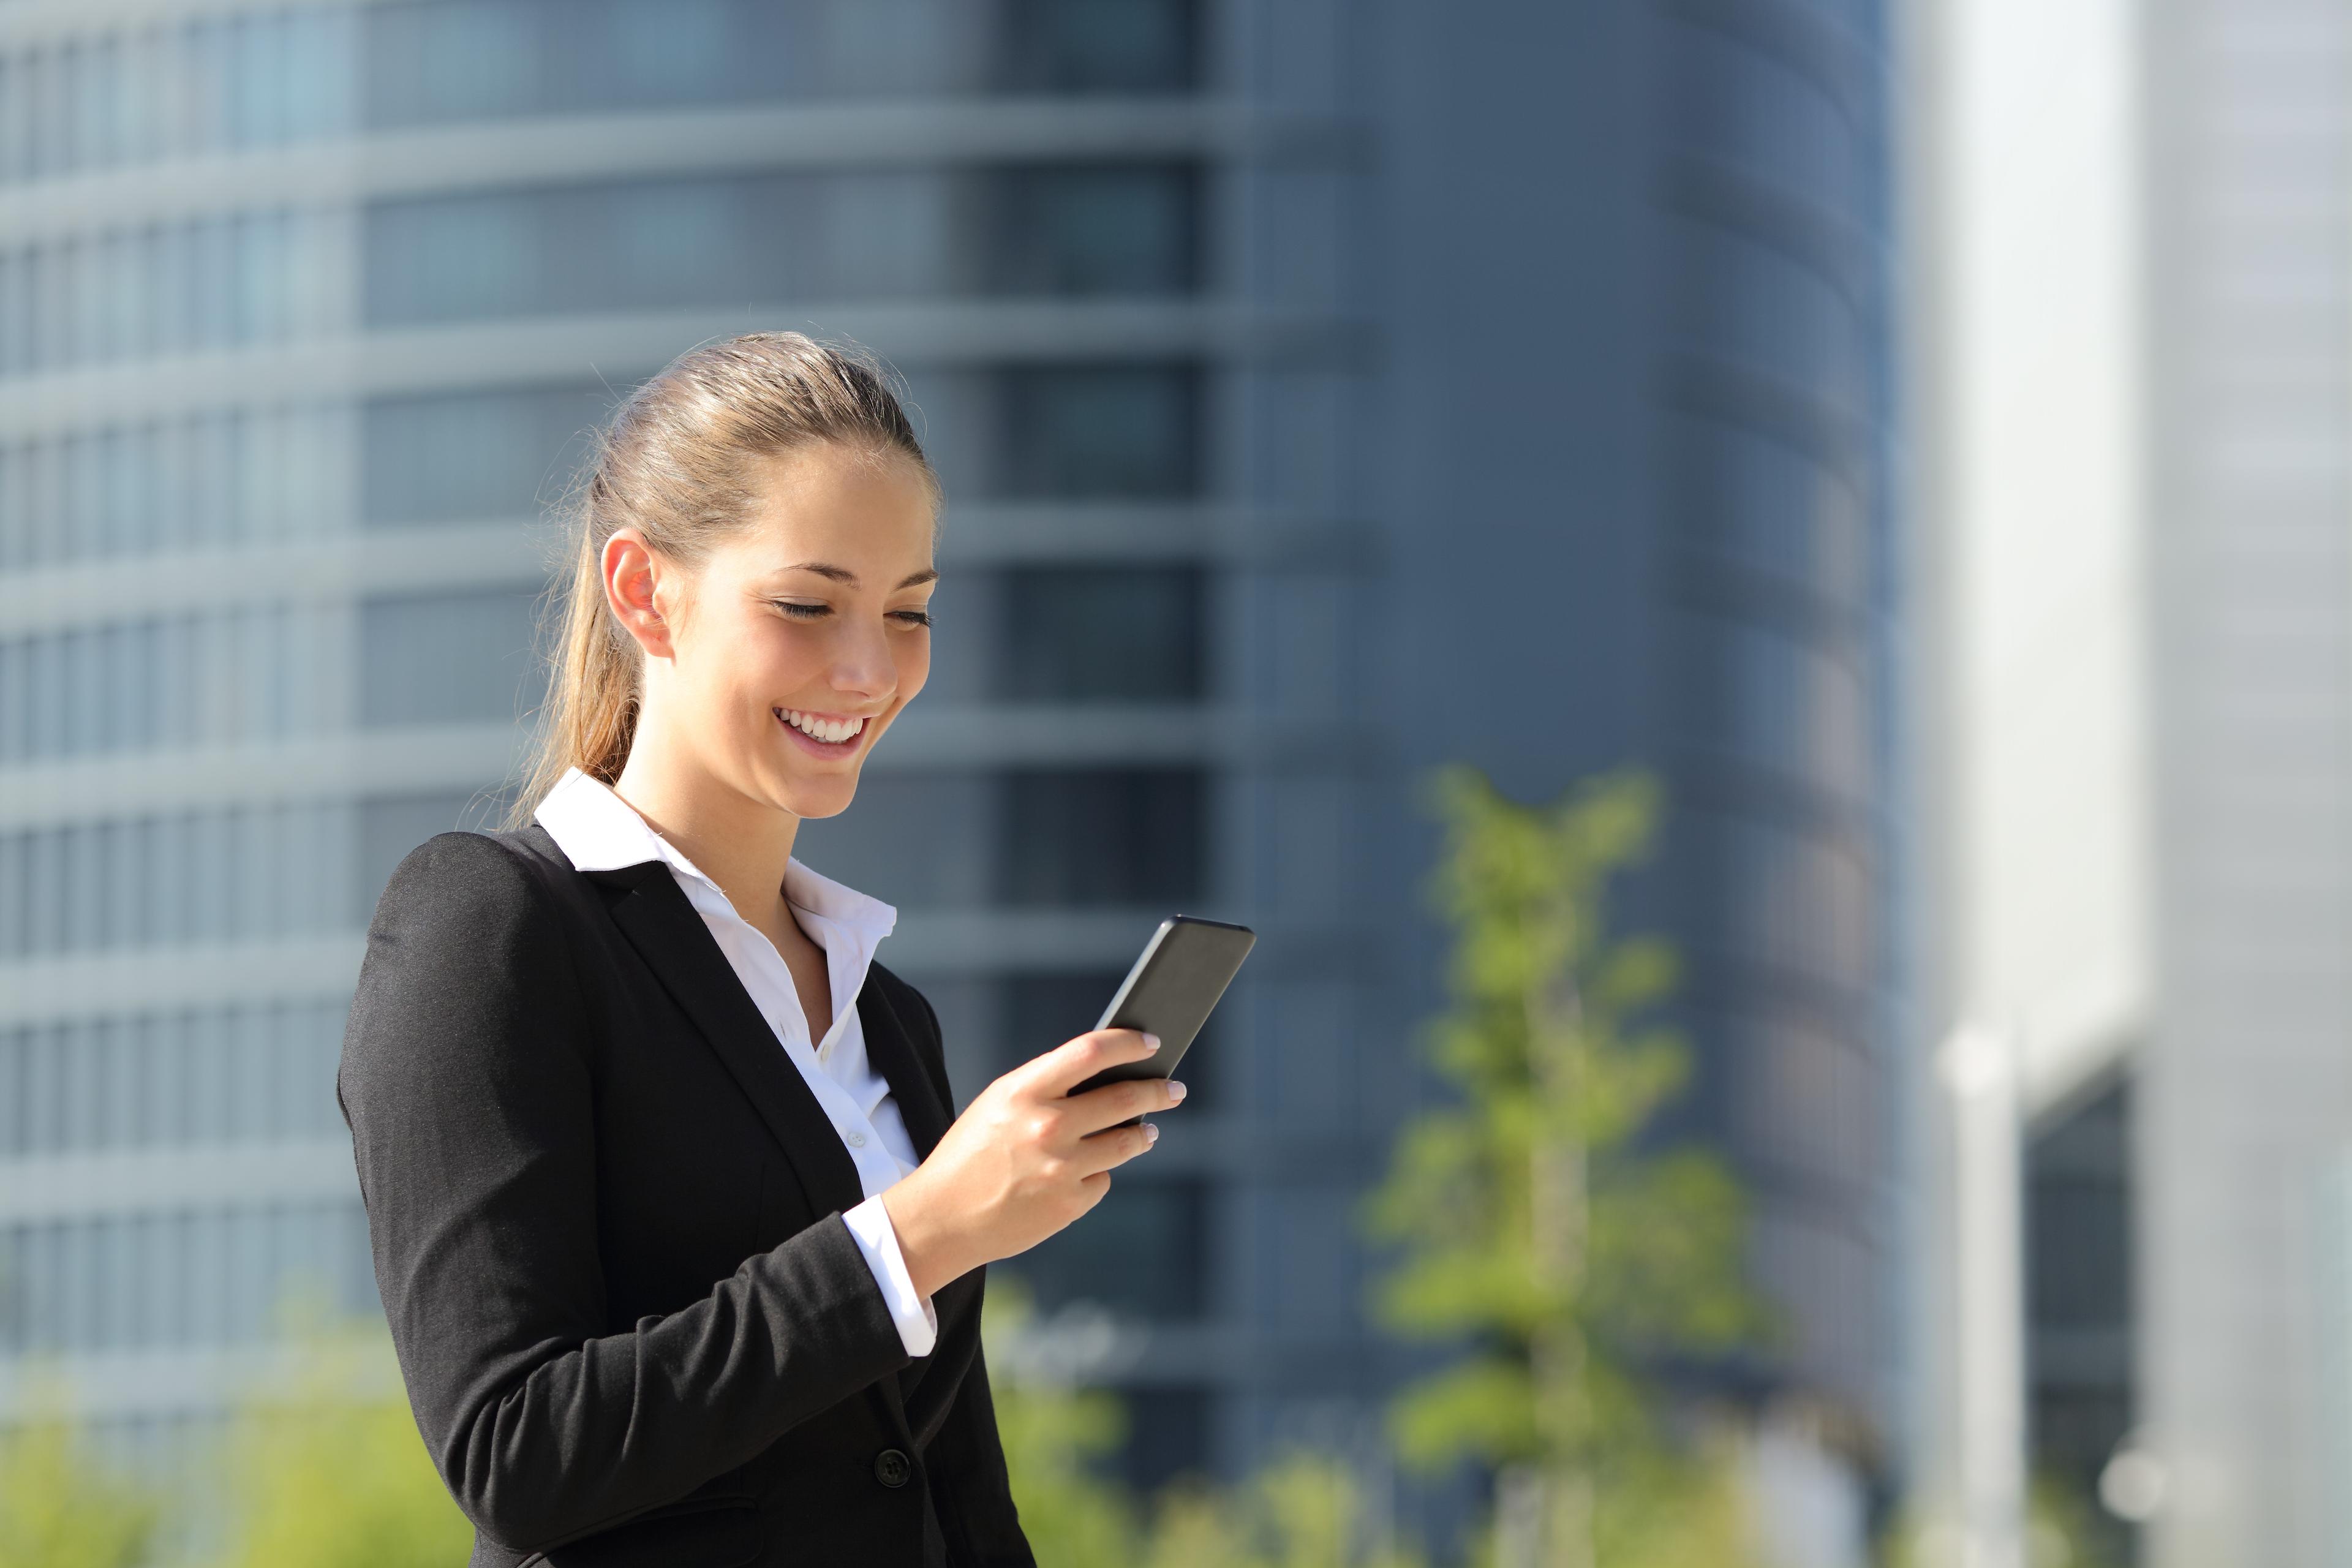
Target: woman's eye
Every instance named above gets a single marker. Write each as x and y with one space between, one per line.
801 611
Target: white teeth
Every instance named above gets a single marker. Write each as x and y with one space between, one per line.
835 731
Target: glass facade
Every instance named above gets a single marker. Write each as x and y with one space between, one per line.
241 79
1775 611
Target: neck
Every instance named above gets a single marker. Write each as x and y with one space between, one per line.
738 841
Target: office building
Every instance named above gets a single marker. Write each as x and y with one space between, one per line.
2137 448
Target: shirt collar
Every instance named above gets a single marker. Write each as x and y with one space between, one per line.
599 831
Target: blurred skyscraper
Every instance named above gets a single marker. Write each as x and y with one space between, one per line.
1321 391
2139 439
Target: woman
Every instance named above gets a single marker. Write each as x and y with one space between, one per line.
682 1257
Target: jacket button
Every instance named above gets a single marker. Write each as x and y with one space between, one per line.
892 1467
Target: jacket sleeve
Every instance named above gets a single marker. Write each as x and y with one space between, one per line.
466 1081
970 1489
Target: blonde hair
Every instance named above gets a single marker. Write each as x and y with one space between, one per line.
677 462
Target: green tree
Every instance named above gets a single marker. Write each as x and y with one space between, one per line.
1056 1438
1304 1511
60 1508
331 1471
1531 1217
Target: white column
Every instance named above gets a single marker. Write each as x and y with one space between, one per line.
1978 1070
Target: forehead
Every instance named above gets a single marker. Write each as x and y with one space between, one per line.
825 501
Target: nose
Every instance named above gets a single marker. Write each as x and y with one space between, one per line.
862 666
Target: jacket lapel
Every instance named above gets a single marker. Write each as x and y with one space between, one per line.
890 1048
652 912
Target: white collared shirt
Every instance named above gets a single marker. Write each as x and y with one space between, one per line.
599 831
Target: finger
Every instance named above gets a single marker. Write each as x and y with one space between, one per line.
1074 1061
1114 1146
1115 1102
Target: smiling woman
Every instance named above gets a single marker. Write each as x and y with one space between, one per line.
682 1254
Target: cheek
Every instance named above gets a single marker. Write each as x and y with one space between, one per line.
782 651
747 669
914 665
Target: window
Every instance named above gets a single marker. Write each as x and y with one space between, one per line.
215 677
1140 1253
1786 901
449 658
89 1284
203 284
1788 704
1168 1436
680 244
1028 837
1103 634
257 1071
243 873
1095 229
1078 432
444 60
206 84
1772 509
475 456
471 60
1099 45
1107 837
915 840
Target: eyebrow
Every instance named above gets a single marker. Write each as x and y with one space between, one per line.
843 575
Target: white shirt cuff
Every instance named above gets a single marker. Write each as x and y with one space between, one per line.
918 1321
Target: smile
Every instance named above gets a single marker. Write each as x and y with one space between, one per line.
832 733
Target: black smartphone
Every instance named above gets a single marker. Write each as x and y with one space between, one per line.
1170 991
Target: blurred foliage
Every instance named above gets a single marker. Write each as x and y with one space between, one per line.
1533 1218
325 1470
2064 1527
60 1508
1056 1438
1306 1510
330 1472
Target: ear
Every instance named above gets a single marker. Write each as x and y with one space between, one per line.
635 583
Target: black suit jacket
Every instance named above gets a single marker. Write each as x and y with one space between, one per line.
606 1214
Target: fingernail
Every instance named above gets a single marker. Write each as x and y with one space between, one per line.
1150 1041
1150 1134
1175 1090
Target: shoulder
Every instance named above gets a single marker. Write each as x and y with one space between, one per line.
469 1003
467 953
469 905
466 878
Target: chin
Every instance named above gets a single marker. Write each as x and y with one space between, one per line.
808 803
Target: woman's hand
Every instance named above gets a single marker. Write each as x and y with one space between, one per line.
1024 1159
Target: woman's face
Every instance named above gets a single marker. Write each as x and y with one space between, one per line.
804 635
